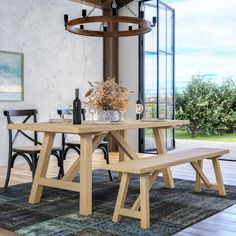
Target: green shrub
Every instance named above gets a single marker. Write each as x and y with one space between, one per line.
210 107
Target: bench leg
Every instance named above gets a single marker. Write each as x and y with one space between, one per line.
120 202
198 187
219 178
152 180
201 174
202 181
144 201
168 178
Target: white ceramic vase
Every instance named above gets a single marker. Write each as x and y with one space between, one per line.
109 115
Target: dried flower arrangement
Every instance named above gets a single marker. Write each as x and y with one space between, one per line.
107 95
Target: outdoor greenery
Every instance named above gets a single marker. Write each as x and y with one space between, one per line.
210 107
150 110
206 137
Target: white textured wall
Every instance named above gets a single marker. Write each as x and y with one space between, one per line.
56 62
128 71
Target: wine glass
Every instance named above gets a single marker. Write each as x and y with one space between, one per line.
122 119
84 104
69 116
92 111
71 108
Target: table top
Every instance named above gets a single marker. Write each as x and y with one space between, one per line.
91 127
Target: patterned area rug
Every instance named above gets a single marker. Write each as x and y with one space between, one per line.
57 213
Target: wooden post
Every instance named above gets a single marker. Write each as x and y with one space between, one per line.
110 50
110 66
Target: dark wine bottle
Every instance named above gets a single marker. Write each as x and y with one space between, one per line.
139 107
77 108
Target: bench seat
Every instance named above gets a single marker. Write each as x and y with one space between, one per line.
149 168
158 162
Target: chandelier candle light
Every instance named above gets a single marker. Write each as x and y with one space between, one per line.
79 25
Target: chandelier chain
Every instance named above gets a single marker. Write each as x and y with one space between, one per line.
129 9
92 10
101 25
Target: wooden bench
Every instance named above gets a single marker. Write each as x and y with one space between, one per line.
148 170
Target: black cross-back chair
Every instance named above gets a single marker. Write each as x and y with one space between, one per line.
75 145
29 153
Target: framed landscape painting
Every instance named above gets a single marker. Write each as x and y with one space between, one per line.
11 76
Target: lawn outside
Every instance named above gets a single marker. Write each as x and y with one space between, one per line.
206 137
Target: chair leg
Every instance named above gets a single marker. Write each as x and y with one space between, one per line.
108 162
76 149
9 166
34 159
106 157
60 163
65 153
11 160
110 175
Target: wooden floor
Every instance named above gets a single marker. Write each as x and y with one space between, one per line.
221 224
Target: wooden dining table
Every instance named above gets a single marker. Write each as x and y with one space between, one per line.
91 134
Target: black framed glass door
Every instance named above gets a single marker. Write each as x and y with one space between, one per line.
156 75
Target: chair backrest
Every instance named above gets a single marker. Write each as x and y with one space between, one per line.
66 111
62 113
26 114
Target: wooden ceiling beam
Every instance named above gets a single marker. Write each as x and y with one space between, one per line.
103 4
122 3
91 3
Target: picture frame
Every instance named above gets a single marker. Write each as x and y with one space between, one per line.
11 76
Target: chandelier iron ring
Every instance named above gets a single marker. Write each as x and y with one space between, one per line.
144 26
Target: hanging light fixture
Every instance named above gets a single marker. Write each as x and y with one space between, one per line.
80 25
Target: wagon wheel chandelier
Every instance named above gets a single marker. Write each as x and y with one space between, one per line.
136 25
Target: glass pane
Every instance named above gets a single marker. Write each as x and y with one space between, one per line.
169 77
169 139
162 110
150 73
162 86
170 111
151 37
169 39
151 109
149 140
162 28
